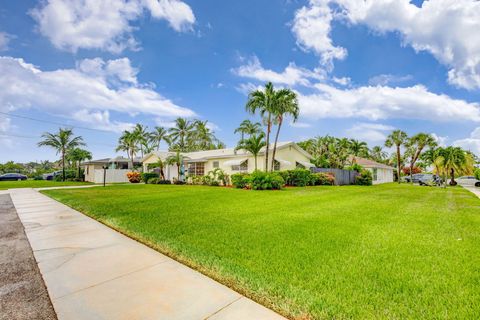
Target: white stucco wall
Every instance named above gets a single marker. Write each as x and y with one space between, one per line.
383 175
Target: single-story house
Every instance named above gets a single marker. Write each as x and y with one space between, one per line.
116 171
381 173
288 156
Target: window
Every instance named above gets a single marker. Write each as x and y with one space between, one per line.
276 165
242 167
374 174
216 164
196 169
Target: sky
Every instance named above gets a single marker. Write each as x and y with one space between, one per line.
360 68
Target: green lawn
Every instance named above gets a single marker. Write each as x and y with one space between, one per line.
389 251
4 185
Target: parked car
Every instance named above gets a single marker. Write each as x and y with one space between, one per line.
12 177
468 181
415 177
51 175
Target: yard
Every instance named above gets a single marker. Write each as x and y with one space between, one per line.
4 185
387 251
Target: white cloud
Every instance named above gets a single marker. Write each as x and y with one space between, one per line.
448 29
441 140
300 125
386 79
292 75
471 143
87 93
4 40
344 81
370 132
104 24
312 26
5 126
381 102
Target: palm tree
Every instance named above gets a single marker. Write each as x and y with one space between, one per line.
266 103
357 149
160 164
248 127
378 154
180 133
77 155
453 160
397 138
417 143
287 106
128 143
176 159
203 137
158 135
62 141
253 144
141 136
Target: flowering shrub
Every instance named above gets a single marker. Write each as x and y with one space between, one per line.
406 170
133 177
364 178
322 179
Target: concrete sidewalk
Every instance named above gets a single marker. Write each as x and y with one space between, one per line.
473 189
93 272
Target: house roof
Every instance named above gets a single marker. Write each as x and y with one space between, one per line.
119 159
225 153
367 163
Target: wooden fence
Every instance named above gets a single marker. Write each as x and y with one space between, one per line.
342 177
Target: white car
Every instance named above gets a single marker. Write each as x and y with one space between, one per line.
468 181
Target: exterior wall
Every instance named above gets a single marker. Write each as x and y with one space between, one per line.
90 172
383 175
112 175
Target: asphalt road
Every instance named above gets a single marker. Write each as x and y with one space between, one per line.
23 294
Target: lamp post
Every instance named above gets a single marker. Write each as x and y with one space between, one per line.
104 174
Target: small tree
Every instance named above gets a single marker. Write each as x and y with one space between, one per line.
397 138
176 159
253 145
78 155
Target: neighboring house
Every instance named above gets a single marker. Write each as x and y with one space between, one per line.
116 171
288 156
381 173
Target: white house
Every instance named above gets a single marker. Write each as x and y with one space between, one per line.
116 169
288 156
381 173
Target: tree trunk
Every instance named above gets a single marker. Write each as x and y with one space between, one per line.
78 176
63 165
269 125
280 120
452 175
398 163
255 162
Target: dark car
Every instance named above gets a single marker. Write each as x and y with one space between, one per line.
12 177
415 177
51 175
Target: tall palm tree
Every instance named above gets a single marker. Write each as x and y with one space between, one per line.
417 143
77 155
176 159
247 127
128 143
141 135
203 137
357 149
265 102
287 105
158 135
253 144
180 133
61 141
397 138
378 154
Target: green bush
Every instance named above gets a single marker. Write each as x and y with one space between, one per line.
158 181
240 180
260 180
299 177
70 175
355 167
477 173
146 176
37 178
364 178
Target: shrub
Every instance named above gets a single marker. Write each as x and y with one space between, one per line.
158 181
195 179
260 180
218 176
240 180
69 176
38 178
146 176
133 177
322 179
406 170
299 177
477 174
355 167
364 178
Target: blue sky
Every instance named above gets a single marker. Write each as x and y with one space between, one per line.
360 69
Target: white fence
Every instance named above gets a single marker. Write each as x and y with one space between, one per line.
112 175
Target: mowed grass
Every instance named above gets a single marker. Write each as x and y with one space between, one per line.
4 185
389 251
